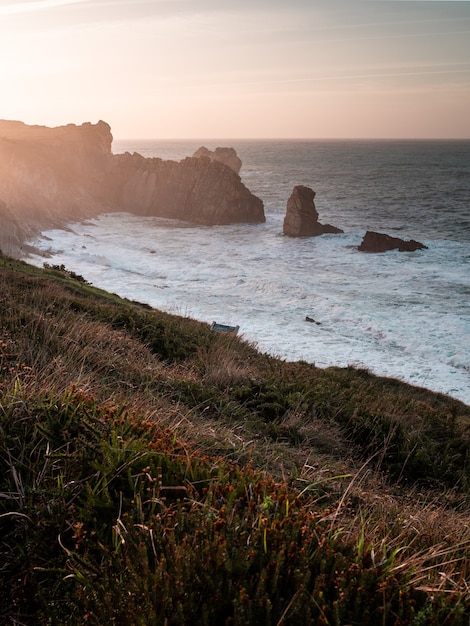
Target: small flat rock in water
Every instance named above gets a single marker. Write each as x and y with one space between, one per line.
381 242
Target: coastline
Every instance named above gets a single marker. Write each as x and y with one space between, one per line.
145 264
313 278
13 239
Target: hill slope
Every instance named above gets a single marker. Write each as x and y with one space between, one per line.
156 472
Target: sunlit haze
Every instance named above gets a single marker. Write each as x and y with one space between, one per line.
239 69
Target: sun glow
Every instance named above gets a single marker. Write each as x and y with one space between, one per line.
169 69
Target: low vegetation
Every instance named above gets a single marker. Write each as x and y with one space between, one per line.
155 472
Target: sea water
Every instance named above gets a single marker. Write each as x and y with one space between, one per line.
400 314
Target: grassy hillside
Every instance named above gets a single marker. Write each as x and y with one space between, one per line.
154 472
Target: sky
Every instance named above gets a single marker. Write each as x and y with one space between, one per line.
239 68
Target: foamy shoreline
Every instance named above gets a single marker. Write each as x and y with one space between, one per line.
176 270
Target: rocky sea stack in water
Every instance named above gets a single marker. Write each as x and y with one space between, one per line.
52 176
380 242
301 218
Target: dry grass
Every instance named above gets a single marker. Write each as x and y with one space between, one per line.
332 436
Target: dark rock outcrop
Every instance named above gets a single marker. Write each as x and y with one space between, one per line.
51 176
301 218
228 156
380 242
194 189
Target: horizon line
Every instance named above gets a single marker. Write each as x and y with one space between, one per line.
438 138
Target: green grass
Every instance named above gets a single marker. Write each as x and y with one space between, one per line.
154 472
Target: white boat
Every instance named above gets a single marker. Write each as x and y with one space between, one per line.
224 328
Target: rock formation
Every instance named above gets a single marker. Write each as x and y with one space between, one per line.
197 190
228 156
51 176
380 242
301 218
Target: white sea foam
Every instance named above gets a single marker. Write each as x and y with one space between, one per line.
404 315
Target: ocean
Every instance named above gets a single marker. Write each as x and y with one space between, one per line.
400 314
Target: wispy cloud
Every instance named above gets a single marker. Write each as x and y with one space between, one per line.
348 76
383 75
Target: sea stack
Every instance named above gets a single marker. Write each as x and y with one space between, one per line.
301 218
381 242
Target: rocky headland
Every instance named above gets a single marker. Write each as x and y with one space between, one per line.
198 190
301 218
52 176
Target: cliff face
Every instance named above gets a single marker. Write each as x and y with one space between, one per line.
42 166
50 176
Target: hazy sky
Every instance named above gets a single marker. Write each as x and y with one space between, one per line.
239 68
